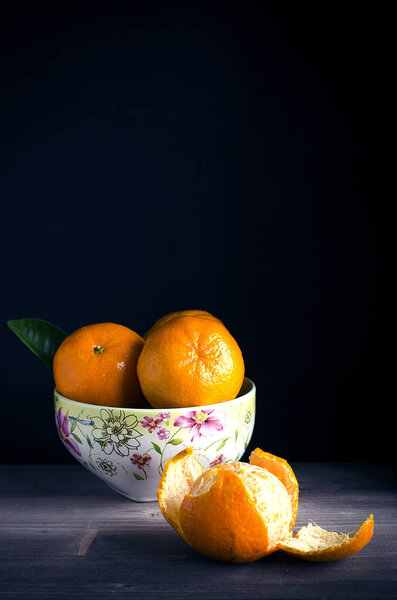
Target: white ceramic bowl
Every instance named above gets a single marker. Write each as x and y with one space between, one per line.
128 447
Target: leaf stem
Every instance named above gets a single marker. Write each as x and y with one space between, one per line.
161 466
217 441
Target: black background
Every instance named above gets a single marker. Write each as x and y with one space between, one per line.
222 156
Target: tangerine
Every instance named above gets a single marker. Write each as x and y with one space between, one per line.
190 361
240 512
97 364
236 513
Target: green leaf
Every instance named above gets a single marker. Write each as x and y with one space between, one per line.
73 426
175 442
138 476
223 442
236 435
88 440
156 447
76 437
41 337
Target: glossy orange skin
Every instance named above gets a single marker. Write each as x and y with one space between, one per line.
224 522
175 315
97 364
190 361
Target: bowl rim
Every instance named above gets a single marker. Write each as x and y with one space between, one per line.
250 392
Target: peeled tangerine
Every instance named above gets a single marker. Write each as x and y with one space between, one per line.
239 512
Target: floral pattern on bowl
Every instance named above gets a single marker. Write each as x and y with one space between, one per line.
128 448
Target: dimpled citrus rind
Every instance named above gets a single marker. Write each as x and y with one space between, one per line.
189 362
179 313
97 364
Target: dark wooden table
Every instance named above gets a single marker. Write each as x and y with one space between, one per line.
65 534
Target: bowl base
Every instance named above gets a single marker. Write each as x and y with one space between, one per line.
144 499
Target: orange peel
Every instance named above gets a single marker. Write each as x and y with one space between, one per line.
239 512
281 469
180 472
211 513
318 545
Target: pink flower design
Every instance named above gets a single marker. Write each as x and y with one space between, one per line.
151 423
64 430
163 434
141 460
164 415
221 458
202 422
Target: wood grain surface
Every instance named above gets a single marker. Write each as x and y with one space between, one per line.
65 534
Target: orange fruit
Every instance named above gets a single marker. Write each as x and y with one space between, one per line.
236 513
179 313
97 364
190 361
241 512
232 512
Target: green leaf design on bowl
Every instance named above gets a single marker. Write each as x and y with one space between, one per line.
175 441
156 447
223 442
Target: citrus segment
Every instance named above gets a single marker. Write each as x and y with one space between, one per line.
179 313
316 544
179 474
281 469
190 361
